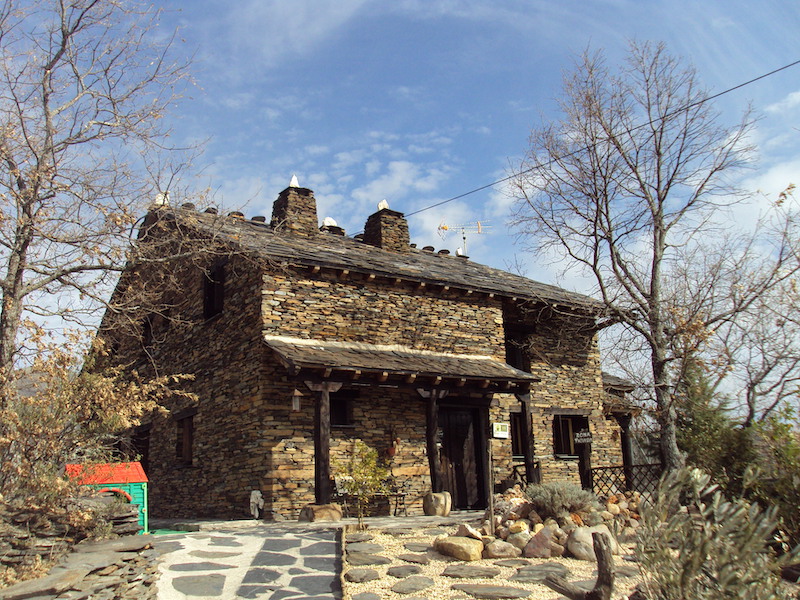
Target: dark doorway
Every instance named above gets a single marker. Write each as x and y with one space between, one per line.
462 456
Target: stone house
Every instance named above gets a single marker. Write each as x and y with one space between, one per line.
303 341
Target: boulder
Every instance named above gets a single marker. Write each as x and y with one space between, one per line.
321 512
518 527
462 548
539 545
465 530
437 504
500 549
581 545
519 539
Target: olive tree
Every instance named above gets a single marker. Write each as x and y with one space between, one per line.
633 185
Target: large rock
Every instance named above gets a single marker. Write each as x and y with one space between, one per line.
361 575
437 504
539 546
581 545
462 548
465 530
520 539
501 549
321 512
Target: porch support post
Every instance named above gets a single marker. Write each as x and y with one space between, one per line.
531 476
322 439
627 451
431 429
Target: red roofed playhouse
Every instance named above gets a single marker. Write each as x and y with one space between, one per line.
127 479
303 342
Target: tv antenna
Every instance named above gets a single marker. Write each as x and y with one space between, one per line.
476 227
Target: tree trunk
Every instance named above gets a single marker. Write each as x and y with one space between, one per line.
603 587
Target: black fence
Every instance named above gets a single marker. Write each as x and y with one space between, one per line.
636 478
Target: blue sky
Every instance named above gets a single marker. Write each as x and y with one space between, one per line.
417 101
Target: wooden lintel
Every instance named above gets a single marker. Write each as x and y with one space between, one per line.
355 374
484 383
383 376
462 382
411 377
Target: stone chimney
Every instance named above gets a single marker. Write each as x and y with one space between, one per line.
387 229
295 210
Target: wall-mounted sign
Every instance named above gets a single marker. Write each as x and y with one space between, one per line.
583 436
501 431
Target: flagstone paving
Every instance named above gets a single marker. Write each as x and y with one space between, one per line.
260 562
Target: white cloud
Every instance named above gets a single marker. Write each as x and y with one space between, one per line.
786 104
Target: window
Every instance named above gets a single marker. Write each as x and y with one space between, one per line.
517 441
184 439
517 339
214 291
342 409
566 429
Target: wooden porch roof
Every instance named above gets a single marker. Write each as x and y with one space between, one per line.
396 365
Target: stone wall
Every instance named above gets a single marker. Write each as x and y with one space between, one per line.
246 434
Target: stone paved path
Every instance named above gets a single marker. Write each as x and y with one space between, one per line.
259 562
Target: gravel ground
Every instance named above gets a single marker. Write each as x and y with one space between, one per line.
393 543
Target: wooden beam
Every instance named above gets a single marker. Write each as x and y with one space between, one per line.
355 374
469 292
437 380
431 440
315 269
327 373
371 277
344 274
383 377
461 382
527 439
484 384
322 439
421 285
411 377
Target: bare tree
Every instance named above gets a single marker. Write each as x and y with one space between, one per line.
85 86
626 185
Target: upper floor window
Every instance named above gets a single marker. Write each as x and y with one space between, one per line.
517 340
342 408
184 439
569 432
214 291
517 440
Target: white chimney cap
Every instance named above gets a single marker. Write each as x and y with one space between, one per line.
329 222
459 252
294 183
383 204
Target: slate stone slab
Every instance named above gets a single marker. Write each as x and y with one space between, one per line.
167 547
279 545
323 564
272 559
314 585
491 592
417 547
417 559
361 575
207 554
625 571
360 537
436 532
366 596
360 559
319 549
512 562
409 585
537 573
201 566
253 591
471 572
364 547
403 571
200 585
225 541
260 575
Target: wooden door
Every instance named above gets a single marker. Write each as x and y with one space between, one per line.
461 457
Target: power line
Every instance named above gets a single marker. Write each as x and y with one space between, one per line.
676 111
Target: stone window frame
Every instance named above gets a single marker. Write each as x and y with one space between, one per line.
560 442
184 437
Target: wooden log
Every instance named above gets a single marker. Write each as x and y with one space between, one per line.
603 587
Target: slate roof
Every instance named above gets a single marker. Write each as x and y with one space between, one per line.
297 353
327 250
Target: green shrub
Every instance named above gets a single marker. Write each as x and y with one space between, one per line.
694 543
558 498
364 477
